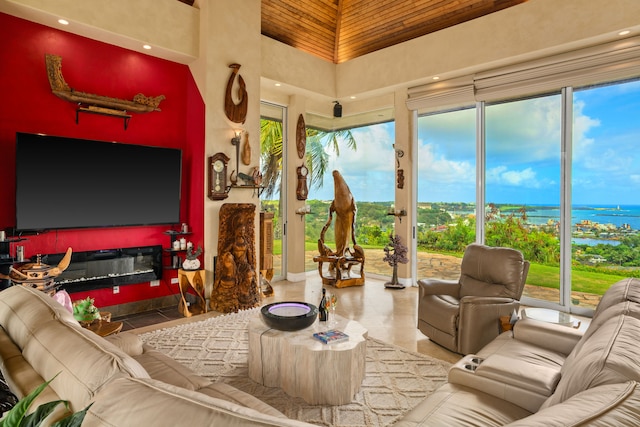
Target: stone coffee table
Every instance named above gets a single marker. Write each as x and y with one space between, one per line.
329 374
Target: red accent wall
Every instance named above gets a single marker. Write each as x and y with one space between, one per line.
28 105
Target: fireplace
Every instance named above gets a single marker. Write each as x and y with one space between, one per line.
105 268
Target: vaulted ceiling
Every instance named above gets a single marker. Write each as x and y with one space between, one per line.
340 30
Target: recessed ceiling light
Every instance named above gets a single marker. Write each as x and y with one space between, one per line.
624 33
352 97
436 78
63 21
278 84
146 46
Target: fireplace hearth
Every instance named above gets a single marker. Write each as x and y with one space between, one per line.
105 268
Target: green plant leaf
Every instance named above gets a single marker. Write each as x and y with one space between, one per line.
14 417
43 411
73 420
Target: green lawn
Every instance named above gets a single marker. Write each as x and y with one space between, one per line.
539 275
582 281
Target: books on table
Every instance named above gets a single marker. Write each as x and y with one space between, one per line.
331 336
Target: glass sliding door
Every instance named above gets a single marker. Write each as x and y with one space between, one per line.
365 158
523 186
446 188
605 215
272 146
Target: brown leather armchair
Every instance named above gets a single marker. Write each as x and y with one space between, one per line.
463 315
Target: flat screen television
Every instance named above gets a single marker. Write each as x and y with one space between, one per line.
66 183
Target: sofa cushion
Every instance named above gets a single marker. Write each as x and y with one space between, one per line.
231 394
608 356
481 276
19 374
23 310
455 405
129 402
161 367
624 308
606 405
623 290
128 342
84 361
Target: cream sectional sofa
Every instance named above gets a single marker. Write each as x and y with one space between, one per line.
129 384
548 375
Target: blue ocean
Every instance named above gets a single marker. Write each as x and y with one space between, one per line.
617 215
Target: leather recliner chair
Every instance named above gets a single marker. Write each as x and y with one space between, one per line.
464 315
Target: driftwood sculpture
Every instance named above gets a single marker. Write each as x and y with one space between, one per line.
340 262
237 113
236 283
60 88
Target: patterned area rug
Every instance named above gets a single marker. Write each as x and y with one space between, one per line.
395 382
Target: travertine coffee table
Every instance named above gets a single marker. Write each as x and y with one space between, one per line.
302 366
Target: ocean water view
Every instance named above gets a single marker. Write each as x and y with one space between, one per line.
617 215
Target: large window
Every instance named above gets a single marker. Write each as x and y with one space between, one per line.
446 206
564 192
522 186
605 215
272 144
365 158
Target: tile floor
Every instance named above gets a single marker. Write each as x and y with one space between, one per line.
388 314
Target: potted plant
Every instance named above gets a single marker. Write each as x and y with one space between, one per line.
395 253
18 416
85 312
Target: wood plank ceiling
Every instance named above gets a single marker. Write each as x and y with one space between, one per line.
340 30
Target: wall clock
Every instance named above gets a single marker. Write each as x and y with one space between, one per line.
218 177
301 190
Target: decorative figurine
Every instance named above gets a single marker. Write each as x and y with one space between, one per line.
191 261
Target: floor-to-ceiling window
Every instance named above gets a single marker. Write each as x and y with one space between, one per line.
446 205
523 186
605 214
272 148
558 179
365 158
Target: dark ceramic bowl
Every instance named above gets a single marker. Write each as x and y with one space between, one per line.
289 315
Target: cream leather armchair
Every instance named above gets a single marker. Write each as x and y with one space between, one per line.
463 315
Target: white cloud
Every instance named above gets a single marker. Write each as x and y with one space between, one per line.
432 167
523 178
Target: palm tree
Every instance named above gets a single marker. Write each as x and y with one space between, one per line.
317 157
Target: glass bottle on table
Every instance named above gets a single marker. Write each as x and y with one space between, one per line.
322 308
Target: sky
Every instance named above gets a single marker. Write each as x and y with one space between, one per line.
523 153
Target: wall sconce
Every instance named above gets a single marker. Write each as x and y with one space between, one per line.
303 210
236 139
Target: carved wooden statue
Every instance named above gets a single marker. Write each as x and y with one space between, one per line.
237 113
338 272
236 284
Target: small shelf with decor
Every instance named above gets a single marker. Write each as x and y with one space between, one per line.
175 248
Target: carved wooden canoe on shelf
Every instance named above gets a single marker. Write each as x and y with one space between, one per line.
60 88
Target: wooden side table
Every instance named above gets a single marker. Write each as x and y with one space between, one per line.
103 326
191 279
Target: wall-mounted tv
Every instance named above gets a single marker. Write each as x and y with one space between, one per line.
76 183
